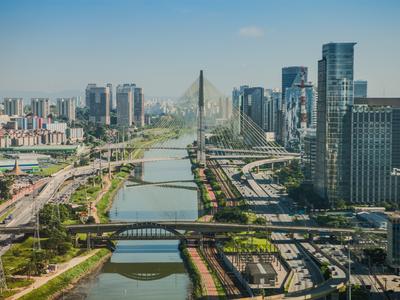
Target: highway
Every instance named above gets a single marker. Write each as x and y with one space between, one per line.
24 211
266 200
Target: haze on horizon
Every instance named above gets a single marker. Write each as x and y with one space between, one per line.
59 46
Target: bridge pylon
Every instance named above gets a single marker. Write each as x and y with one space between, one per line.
201 140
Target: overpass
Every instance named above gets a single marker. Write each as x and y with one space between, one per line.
193 226
23 214
249 177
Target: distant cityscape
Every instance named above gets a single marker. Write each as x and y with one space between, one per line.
310 158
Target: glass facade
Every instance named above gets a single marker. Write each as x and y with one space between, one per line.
290 77
393 250
360 88
252 104
291 138
335 97
371 155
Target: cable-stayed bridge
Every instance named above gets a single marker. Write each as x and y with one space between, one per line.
223 130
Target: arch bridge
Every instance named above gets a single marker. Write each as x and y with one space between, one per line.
143 231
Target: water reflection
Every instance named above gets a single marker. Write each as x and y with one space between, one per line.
147 269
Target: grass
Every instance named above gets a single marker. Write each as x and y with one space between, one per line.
91 192
13 284
18 256
52 169
104 203
242 243
198 290
6 214
64 280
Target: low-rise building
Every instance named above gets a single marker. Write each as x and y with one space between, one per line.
260 274
60 127
376 219
75 135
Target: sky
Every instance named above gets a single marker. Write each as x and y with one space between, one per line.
59 46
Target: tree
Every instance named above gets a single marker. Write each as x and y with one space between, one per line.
5 187
376 255
340 204
260 221
231 215
51 216
37 263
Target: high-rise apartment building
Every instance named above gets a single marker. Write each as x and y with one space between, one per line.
40 107
335 97
66 108
13 106
375 150
138 107
360 88
98 101
124 95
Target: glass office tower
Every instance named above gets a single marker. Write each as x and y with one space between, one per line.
335 97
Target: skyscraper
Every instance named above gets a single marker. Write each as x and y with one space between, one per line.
66 108
112 106
360 88
87 92
252 104
291 76
138 107
40 107
375 151
335 97
13 106
98 101
292 131
124 96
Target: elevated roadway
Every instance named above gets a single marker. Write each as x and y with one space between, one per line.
200 227
25 213
249 176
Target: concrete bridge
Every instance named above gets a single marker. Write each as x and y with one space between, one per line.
118 229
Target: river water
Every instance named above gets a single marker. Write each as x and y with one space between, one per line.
148 269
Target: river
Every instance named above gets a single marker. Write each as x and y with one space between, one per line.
147 269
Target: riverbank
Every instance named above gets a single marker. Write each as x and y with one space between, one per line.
104 204
59 284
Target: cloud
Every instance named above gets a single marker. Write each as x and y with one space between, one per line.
251 31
